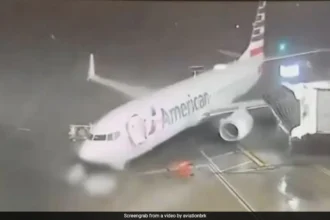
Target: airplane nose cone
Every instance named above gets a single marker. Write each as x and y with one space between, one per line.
99 154
93 153
86 154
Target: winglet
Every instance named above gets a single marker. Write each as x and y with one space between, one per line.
91 68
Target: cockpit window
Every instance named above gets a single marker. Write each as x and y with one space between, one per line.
104 137
113 136
99 137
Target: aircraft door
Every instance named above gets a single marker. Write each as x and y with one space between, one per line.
140 128
152 122
136 129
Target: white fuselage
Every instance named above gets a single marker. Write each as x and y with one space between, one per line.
147 122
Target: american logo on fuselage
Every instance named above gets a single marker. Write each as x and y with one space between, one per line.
184 109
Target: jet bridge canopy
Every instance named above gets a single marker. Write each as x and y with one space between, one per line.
302 108
285 108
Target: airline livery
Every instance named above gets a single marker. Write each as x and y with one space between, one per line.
153 117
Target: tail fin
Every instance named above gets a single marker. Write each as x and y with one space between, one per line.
256 46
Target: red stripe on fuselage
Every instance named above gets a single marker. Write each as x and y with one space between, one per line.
256 51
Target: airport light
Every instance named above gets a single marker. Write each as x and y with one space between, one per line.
282 47
290 71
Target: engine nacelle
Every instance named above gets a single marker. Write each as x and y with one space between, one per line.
237 126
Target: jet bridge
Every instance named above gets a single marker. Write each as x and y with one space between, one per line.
323 111
314 113
301 110
285 108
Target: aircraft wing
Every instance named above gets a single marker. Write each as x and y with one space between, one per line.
249 105
268 59
129 91
134 92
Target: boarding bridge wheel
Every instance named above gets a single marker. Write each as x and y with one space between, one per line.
79 132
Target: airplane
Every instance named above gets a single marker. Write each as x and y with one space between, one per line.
152 117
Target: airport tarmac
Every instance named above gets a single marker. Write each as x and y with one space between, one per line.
226 179
44 89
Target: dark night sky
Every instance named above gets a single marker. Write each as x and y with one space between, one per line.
130 23
122 31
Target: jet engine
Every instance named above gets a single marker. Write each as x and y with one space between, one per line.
237 126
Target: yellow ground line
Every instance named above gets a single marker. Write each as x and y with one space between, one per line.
252 157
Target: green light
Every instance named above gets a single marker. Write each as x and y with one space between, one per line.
282 46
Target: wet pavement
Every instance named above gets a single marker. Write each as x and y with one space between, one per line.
253 177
